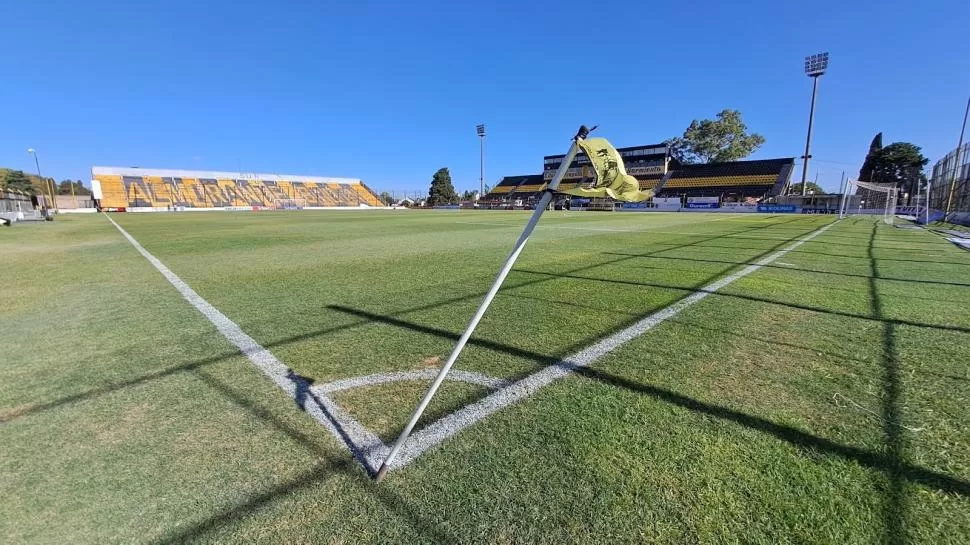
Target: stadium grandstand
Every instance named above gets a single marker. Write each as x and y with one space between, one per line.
122 188
732 181
656 170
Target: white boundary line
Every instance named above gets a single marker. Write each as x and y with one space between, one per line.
364 444
450 425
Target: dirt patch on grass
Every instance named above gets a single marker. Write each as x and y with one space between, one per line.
9 413
433 361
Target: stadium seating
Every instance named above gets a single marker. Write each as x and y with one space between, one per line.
520 185
164 192
718 181
745 178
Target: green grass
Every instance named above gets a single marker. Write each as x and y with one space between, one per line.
821 399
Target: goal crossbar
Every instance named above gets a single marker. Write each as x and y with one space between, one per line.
867 198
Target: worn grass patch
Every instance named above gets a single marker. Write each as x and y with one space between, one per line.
386 408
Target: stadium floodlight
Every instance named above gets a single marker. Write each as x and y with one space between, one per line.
480 129
815 66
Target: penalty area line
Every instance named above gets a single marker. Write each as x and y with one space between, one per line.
450 425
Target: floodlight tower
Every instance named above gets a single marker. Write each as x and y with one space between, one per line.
480 128
815 66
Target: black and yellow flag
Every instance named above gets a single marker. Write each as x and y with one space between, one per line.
611 177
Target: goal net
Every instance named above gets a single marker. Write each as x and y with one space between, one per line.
290 204
870 199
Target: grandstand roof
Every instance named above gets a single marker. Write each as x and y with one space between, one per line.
627 153
216 174
732 168
525 179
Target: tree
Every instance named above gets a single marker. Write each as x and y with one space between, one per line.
16 179
386 198
865 173
796 189
442 192
64 188
715 140
469 195
899 163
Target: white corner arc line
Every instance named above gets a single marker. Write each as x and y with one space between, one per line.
448 426
363 444
422 374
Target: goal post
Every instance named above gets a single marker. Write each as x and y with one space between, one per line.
290 204
865 198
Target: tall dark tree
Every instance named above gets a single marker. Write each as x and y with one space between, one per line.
442 192
900 163
16 179
865 173
714 140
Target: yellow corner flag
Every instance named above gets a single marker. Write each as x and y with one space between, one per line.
611 177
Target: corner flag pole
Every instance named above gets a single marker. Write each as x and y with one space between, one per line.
499 280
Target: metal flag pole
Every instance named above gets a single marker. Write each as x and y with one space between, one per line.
499 280
928 184
845 196
917 198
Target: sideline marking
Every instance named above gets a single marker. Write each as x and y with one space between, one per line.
365 445
436 432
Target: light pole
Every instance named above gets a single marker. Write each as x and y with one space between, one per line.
956 166
480 128
47 184
815 66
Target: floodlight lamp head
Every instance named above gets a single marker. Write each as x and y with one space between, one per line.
480 129
31 150
816 65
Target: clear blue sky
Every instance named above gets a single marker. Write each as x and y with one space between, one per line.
389 92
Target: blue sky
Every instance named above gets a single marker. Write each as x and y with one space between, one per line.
391 91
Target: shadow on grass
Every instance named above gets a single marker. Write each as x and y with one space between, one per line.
896 506
551 359
328 468
793 268
7 416
893 321
797 437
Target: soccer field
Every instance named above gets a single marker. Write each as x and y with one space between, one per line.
818 396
